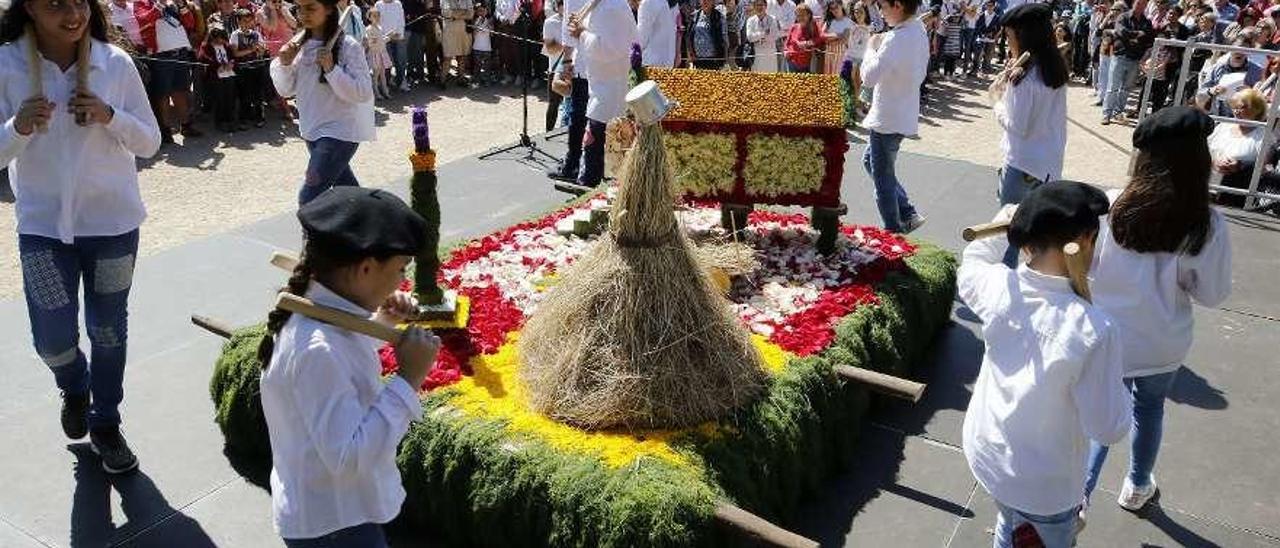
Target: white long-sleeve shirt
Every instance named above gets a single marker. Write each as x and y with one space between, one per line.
896 68
1034 118
342 107
392 17
1051 379
334 426
657 28
784 11
76 181
605 50
1149 295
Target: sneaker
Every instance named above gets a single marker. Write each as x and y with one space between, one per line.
1133 498
190 131
404 86
913 223
1106 120
562 174
75 415
1097 103
109 444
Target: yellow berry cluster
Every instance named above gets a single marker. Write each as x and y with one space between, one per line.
735 97
423 161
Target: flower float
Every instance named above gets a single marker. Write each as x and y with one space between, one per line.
482 468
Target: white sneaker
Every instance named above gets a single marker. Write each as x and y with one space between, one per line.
913 223
1133 498
404 86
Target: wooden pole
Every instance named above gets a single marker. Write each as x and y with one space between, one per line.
339 318
984 230
211 325
757 529
82 73
284 261
34 64
1078 269
884 384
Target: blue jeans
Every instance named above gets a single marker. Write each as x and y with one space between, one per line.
1148 427
1014 186
368 535
51 274
1104 72
1123 70
1055 531
398 58
578 97
329 166
891 199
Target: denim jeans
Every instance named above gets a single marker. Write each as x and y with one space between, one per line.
1014 186
1148 427
398 58
891 199
593 155
329 166
1055 531
368 535
51 274
1123 70
1104 72
577 125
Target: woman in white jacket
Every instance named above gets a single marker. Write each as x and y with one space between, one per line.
658 37
763 32
1162 248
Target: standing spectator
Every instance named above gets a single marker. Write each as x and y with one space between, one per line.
416 28
985 31
277 25
163 27
250 54
836 30
505 54
895 65
77 205
707 40
224 16
1133 37
1225 79
858 39
334 93
455 41
123 18
1062 33
553 50
216 54
393 24
952 43
784 12
1244 21
969 34
483 65
802 39
349 14
763 32
375 50
605 37
657 26
1226 10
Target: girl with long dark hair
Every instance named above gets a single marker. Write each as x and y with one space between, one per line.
71 148
1162 248
334 91
1031 106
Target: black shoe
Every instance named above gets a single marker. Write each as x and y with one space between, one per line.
109 444
75 415
563 175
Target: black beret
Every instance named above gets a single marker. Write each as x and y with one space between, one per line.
1028 13
363 221
1057 212
1172 124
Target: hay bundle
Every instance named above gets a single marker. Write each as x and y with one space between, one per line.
635 334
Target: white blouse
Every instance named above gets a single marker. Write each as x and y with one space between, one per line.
77 181
340 108
1034 118
334 426
1227 143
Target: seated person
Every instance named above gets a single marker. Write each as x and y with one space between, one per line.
1232 71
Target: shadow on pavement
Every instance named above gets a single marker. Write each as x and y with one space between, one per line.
1191 389
1182 536
144 506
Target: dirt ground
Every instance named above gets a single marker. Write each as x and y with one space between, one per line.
214 183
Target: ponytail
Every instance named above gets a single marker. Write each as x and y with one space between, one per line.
297 285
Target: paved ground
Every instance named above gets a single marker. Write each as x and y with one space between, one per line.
909 485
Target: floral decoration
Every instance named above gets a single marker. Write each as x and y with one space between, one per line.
737 97
778 165
703 163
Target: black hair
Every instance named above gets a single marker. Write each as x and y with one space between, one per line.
330 28
15 20
216 32
1036 36
320 260
909 7
1165 207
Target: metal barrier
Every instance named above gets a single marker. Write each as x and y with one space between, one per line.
1252 194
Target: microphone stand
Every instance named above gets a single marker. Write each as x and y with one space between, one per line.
525 142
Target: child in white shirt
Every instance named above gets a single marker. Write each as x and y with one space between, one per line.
1162 248
334 423
481 47
1051 376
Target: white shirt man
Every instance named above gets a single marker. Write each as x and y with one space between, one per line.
784 11
896 68
604 50
657 28
122 16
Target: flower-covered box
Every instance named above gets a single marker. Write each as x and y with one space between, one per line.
482 468
755 138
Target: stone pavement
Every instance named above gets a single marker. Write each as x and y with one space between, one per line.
908 486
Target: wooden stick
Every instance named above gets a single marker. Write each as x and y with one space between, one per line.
884 384
82 74
211 325
757 529
284 261
338 318
984 230
1078 270
34 66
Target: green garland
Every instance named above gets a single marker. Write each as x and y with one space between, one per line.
476 484
422 196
